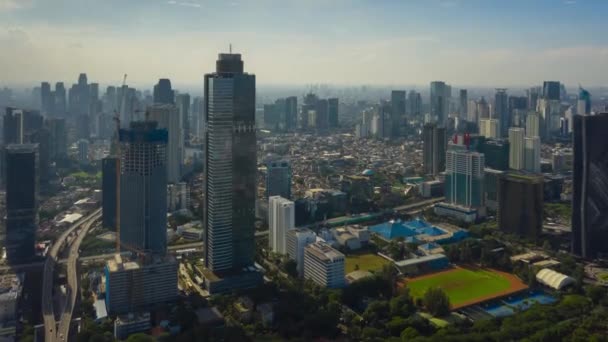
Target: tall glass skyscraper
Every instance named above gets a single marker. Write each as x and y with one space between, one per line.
440 101
143 188
231 166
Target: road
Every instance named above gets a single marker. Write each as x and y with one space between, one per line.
73 281
47 282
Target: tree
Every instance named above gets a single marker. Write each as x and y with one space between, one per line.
140 337
595 293
291 268
402 305
376 311
409 333
396 325
436 301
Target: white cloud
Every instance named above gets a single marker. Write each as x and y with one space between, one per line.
570 2
10 5
184 4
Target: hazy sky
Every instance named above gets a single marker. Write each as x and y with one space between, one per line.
464 42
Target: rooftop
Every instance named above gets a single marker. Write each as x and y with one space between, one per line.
414 261
324 251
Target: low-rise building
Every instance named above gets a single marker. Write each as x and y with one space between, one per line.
324 265
425 264
10 292
297 240
125 325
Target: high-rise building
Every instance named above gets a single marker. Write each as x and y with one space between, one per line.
332 112
489 128
13 126
533 124
61 107
464 174
278 178
83 150
59 145
590 181
182 102
143 187
414 104
483 109
281 219
517 103
501 111
21 219
321 121
520 204
139 285
109 183
496 152
463 104
551 90
440 100
532 154
324 265
291 113
583 105
435 143
516 149
533 94
168 118
47 99
472 115
397 111
297 240
42 137
163 93
196 124
230 176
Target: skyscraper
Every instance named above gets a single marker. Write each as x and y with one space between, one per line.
414 104
532 154
47 99
163 93
291 113
464 174
483 109
143 187
589 201
278 178
281 218
21 201
196 124
516 149
109 182
489 128
463 104
59 145
61 107
520 204
397 111
533 124
332 112
501 111
168 118
13 126
584 102
182 102
551 90
440 100
230 176
533 94
435 143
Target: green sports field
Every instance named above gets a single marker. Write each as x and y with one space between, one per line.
366 262
466 286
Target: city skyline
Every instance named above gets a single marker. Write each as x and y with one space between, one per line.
178 39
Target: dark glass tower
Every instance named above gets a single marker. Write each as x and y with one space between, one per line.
332 112
501 111
230 177
108 188
143 188
520 204
163 93
551 90
434 148
397 111
590 186
21 201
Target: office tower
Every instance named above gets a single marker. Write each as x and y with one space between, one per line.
463 104
397 111
435 142
42 137
281 219
79 97
178 196
297 240
291 113
550 115
332 112
483 109
83 150
551 90
490 187
278 178
414 104
501 111
472 115
83 126
464 174
309 104
21 219
517 103
230 176
133 286
321 121
440 100
13 126
272 116
59 145
583 105
496 153
47 99
519 117
168 118
61 107
520 204
109 184
110 100
143 188
533 95
516 149
183 109
196 125
163 93
380 125
532 154
590 181
533 124
489 128
324 265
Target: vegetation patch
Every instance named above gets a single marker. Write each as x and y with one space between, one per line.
364 261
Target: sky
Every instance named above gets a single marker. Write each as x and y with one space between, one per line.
373 42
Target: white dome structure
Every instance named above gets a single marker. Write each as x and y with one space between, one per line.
554 279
